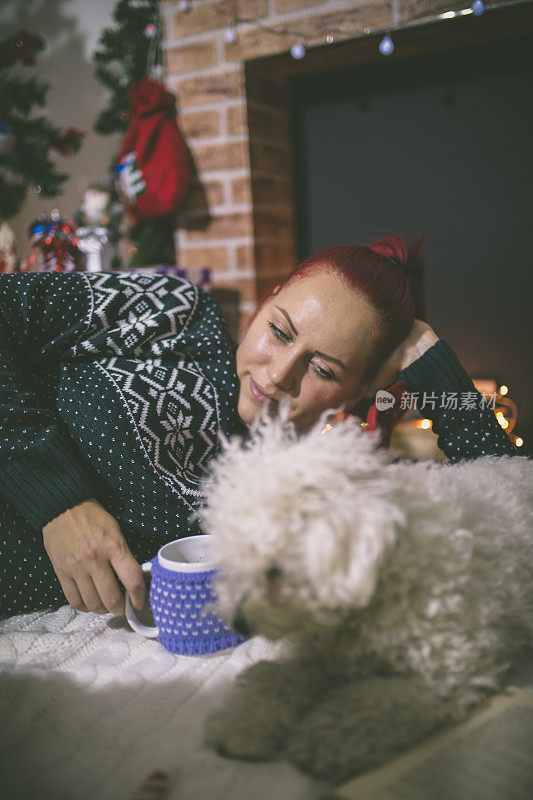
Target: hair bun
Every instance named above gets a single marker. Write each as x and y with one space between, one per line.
396 261
393 247
410 260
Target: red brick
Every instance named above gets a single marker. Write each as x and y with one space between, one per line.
230 155
244 256
223 226
272 190
215 258
313 28
414 9
282 6
241 190
191 56
236 119
210 88
265 123
275 258
272 158
210 16
204 194
252 9
277 223
257 42
197 124
245 288
372 14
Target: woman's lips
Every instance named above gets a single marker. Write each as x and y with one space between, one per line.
258 393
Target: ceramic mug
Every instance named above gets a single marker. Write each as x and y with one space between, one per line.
180 590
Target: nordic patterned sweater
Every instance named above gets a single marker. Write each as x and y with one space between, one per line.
115 387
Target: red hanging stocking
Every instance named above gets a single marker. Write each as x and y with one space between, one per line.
153 170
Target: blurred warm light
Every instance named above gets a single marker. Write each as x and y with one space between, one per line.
327 427
503 389
510 413
425 423
519 441
503 422
132 249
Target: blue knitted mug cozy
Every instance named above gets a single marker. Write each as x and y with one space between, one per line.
177 600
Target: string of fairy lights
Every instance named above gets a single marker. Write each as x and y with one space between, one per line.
298 49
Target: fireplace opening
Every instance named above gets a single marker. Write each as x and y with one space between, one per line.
437 144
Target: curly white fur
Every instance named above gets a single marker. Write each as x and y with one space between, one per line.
407 589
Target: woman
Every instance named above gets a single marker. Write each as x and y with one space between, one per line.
113 389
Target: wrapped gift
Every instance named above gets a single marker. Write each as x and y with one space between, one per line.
201 276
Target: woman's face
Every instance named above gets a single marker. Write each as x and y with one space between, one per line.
309 343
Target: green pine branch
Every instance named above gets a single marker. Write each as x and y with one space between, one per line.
122 58
19 94
26 158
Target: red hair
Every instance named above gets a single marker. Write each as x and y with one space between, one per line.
389 273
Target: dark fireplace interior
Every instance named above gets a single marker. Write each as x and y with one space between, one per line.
435 144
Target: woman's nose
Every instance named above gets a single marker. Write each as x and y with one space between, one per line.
285 372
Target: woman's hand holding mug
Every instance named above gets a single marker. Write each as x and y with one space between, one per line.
88 552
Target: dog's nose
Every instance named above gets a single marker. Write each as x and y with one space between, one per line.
273 573
239 624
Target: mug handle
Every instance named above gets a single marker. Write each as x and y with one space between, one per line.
145 630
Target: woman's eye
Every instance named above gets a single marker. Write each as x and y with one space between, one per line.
281 336
327 376
278 333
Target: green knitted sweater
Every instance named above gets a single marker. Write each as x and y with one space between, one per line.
116 386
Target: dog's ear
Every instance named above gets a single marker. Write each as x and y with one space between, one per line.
343 562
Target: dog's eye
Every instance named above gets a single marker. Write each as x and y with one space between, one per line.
273 572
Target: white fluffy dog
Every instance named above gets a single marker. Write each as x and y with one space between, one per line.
406 588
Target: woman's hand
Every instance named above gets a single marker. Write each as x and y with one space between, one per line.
420 339
88 551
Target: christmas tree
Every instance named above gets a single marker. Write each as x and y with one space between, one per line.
126 54
26 141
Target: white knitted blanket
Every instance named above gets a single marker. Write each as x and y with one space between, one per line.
89 708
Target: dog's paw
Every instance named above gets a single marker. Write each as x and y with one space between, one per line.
312 753
361 725
241 735
266 703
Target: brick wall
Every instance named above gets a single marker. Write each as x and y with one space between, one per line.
239 218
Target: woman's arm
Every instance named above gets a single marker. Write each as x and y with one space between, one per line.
466 426
41 472
41 316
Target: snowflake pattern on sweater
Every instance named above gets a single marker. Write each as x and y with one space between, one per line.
174 406
140 372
